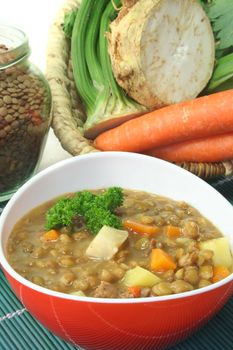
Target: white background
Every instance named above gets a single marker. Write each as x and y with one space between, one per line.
34 17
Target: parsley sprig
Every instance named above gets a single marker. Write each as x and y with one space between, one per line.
95 210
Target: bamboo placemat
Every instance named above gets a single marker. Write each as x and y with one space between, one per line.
20 331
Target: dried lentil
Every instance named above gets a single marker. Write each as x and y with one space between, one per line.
21 133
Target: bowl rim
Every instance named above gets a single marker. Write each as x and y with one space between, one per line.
4 264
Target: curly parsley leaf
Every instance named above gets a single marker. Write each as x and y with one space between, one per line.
96 210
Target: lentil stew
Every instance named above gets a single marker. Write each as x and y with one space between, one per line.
163 247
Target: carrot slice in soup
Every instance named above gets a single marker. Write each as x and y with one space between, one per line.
173 231
220 272
135 290
51 235
141 228
161 261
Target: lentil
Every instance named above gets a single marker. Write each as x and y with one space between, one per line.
22 127
203 283
179 275
206 272
180 286
191 275
163 288
66 261
107 276
67 279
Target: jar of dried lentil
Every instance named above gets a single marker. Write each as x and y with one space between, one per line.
25 106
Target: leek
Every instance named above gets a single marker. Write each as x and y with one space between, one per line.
82 77
104 101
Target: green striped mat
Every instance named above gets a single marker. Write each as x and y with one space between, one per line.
20 331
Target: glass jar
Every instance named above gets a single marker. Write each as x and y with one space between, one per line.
25 111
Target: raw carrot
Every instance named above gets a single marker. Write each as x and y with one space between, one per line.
202 117
135 290
161 261
173 231
220 272
210 149
51 235
140 228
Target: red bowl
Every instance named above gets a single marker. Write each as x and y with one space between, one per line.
146 323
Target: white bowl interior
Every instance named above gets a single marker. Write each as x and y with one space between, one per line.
127 170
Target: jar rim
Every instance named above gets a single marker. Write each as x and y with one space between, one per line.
15 42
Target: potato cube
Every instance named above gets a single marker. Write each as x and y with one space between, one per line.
221 249
106 243
141 277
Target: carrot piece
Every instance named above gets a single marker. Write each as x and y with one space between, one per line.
51 235
140 228
135 290
173 231
210 149
161 261
220 272
202 117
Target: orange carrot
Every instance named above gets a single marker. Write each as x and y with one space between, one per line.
161 261
202 117
140 228
173 231
210 149
51 235
135 290
220 272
